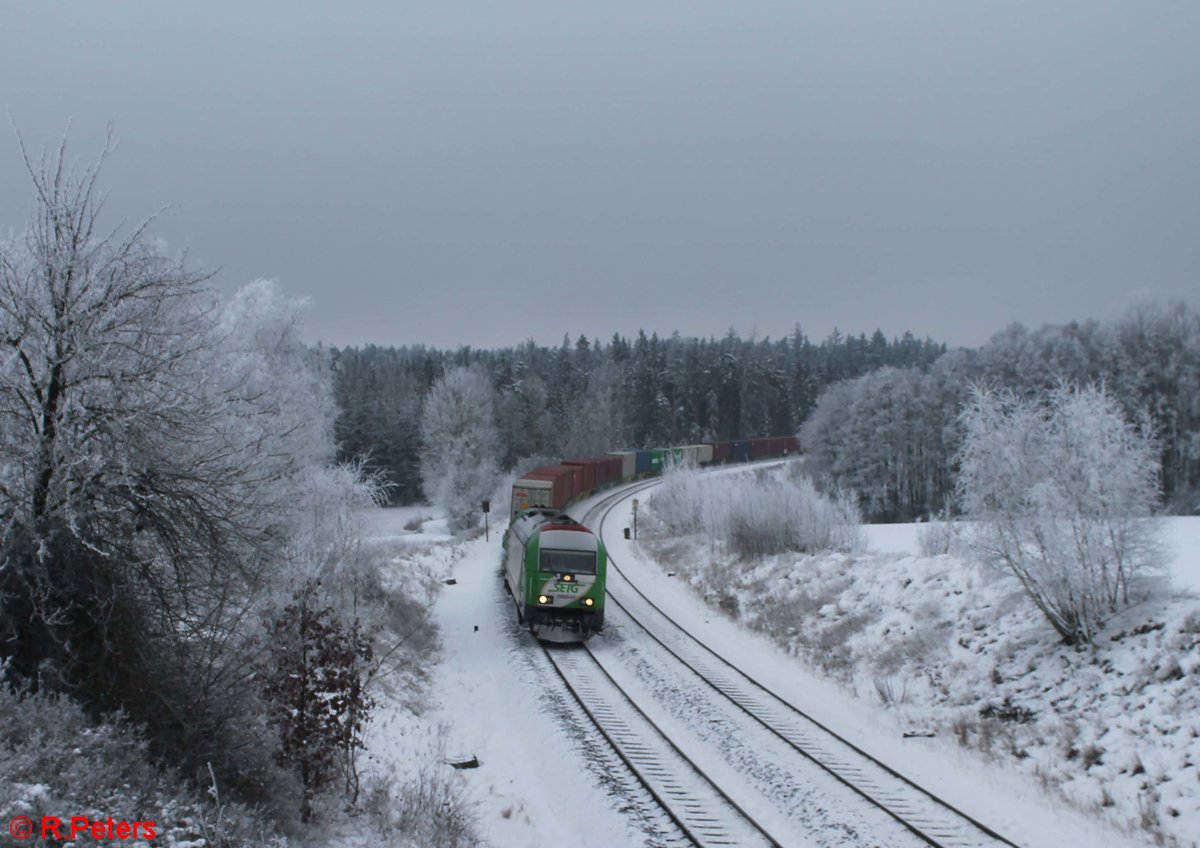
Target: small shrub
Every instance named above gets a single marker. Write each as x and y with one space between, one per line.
414 525
939 537
831 650
1007 711
428 810
1148 816
987 735
1091 755
889 695
315 685
962 729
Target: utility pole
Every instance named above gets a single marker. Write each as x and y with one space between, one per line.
487 507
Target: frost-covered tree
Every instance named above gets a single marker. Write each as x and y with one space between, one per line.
1153 367
458 462
284 385
523 420
151 444
887 436
1060 488
1148 361
592 427
110 435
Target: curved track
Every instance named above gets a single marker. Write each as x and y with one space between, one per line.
928 817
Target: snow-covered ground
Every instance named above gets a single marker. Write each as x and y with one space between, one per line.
405 524
933 642
951 640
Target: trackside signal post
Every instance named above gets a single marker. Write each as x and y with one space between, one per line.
635 518
486 506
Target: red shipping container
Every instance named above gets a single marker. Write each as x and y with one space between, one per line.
588 468
576 480
771 446
608 469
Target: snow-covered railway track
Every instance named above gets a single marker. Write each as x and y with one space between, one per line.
928 817
702 812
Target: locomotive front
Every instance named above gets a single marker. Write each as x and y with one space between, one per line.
555 570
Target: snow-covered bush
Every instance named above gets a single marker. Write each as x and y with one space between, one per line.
58 762
430 808
756 514
461 444
1061 490
940 535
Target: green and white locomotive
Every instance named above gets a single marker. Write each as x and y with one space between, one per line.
554 568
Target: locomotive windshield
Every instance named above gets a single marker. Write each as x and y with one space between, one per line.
576 562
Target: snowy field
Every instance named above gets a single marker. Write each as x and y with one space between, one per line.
405 524
921 643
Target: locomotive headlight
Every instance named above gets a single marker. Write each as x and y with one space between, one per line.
542 599
567 578
587 602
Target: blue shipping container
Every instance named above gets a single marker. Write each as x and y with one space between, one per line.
644 462
739 451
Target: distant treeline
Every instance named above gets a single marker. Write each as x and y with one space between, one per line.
587 397
877 416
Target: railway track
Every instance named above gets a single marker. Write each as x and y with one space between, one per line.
929 818
703 814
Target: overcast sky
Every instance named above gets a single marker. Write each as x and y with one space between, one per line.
483 173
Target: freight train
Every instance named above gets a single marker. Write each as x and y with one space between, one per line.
555 486
554 567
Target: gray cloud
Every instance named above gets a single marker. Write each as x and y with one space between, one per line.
483 173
